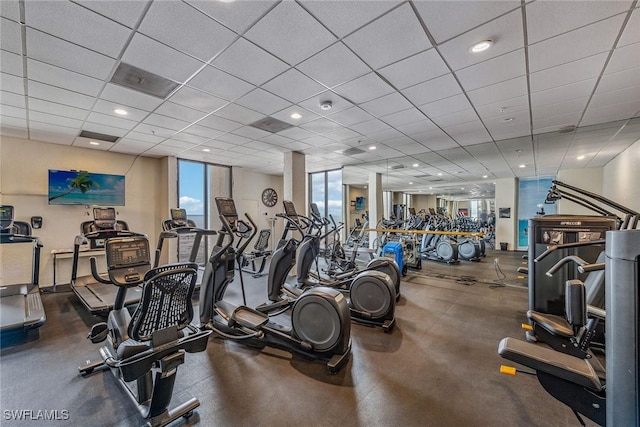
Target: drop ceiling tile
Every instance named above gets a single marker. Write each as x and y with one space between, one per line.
322 66
624 58
54 108
107 107
297 133
195 139
386 135
621 80
11 36
109 120
404 117
415 69
49 49
125 96
504 108
446 106
238 16
372 126
337 103
456 118
263 102
285 115
198 100
165 122
275 139
179 112
364 89
251 132
54 137
88 28
153 130
519 129
290 42
318 141
410 149
125 12
548 19
15 112
55 76
390 38
579 89
321 125
239 113
154 139
498 92
12 99
433 90
351 116
468 133
131 146
293 86
506 31
412 129
61 96
387 104
493 71
150 55
568 73
11 63
434 139
446 19
554 123
221 124
10 10
344 17
165 21
11 83
174 143
631 32
586 41
629 94
219 83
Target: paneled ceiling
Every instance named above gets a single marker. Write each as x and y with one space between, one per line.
559 87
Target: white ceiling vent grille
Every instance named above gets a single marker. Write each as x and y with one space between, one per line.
271 125
351 151
143 81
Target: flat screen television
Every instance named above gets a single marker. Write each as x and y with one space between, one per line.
85 188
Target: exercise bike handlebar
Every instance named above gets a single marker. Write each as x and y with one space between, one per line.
554 248
583 266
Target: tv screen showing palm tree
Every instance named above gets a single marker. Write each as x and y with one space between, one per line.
85 188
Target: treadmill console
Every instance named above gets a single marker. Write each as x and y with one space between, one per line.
179 217
104 218
128 260
6 217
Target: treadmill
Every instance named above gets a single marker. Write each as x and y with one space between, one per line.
21 306
99 297
181 225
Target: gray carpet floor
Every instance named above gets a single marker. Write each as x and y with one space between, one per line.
438 367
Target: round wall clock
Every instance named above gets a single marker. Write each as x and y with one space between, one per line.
269 197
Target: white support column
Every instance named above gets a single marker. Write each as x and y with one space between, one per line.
295 180
374 203
507 197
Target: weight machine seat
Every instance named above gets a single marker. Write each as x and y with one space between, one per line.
561 365
165 309
557 325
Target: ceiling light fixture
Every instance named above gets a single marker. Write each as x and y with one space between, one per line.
326 105
120 111
485 176
206 150
296 116
508 119
415 165
410 183
522 166
94 143
439 173
580 157
481 46
372 147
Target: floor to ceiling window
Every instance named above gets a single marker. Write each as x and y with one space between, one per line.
326 191
198 185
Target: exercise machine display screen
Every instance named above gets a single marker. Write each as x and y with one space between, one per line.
289 208
104 217
6 216
314 210
179 217
227 208
123 253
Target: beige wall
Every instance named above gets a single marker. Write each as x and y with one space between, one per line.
621 178
506 228
588 179
424 201
24 169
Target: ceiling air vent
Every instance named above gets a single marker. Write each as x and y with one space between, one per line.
353 150
98 136
567 129
271 125
143 81
422 176
396 167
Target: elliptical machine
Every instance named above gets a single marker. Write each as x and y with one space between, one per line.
371 293
155 339
320 321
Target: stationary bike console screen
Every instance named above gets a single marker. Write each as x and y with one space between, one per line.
104 218
123 253
6 216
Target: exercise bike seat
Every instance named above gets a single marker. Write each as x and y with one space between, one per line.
561 365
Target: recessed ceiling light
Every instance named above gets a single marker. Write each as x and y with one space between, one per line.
295 116
485 176
439 173
410 183
462 188
481 46
415 165
430 188
326 105
120 111
226 1
372 147
580 157
94 143
522 166
206 150
508 119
